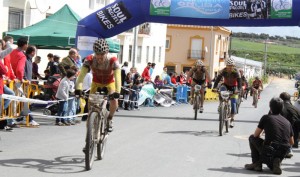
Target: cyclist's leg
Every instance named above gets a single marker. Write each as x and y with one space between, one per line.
113 102
192 92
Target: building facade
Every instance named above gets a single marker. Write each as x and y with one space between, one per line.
186 43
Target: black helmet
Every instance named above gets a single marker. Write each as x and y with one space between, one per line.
101 46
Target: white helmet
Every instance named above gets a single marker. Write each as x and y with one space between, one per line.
199 63
229 61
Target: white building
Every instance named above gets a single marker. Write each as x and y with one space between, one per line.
251 68
17 14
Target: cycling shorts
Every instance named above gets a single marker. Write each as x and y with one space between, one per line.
111 87
199 82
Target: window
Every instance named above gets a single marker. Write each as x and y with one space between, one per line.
129 53
91 4
153 56
15 19
159 54
139 54
147 54
168 42
121 54
196 48
186 68
171 69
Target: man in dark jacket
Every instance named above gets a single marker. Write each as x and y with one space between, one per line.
292 114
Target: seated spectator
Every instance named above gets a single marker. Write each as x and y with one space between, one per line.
173 78
181 79
168 82
158 82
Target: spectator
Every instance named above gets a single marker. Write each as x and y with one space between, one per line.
47 74
35 68
62 95
173 78
292 114
5 49
158 82
124 72
164 74
10 74
180 79
68 61
278 138
50 60
54 69
152 69
30 52
168 82
146 73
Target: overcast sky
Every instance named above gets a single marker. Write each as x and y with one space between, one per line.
272 31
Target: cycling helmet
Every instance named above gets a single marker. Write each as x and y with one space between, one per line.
199 63
101 46
229 61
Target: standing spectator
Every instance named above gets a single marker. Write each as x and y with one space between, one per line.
180 79
152 69
164 74
68 61
124 72
5 49
292 114
18 60
27 76
278 137
62 95
146 73
173 78
50 60
54 69
35 68
10 76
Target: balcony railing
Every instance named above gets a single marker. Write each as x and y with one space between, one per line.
142 29
196 54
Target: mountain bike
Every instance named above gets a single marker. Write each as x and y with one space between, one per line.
196 101
97 128
224 110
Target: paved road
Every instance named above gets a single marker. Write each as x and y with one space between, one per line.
153 142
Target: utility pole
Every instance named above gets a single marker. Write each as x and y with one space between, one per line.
265 57
134 49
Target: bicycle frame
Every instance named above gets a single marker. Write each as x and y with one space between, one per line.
97 128
225 110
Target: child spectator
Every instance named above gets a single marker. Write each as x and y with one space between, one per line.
136 87
63 95
158 82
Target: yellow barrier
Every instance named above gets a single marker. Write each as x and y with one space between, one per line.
211 95
14 109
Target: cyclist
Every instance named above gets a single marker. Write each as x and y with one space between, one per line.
257 85
106 73
199 76
232 81
244 91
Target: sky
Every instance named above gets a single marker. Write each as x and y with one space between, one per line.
272 31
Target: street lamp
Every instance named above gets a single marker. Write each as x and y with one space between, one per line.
245 63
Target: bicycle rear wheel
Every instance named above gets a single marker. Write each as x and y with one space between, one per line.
91 137
239 101
221 118
101 145
196 106
255 97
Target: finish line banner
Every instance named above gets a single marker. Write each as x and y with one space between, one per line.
223 9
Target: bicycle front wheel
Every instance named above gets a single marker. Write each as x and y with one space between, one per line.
101 145
196 106
222 115
91 138
255 99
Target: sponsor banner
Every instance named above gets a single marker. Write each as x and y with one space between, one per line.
281 9
215 9
250 9
113 15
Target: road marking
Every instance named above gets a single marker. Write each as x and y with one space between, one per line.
243 137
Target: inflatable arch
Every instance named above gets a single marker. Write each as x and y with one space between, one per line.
123 15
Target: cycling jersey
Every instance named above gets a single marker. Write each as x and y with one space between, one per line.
231 79
256 84
198 75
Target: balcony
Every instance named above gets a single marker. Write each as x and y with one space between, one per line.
143 30
196 54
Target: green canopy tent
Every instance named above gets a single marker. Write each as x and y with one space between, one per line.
55 32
